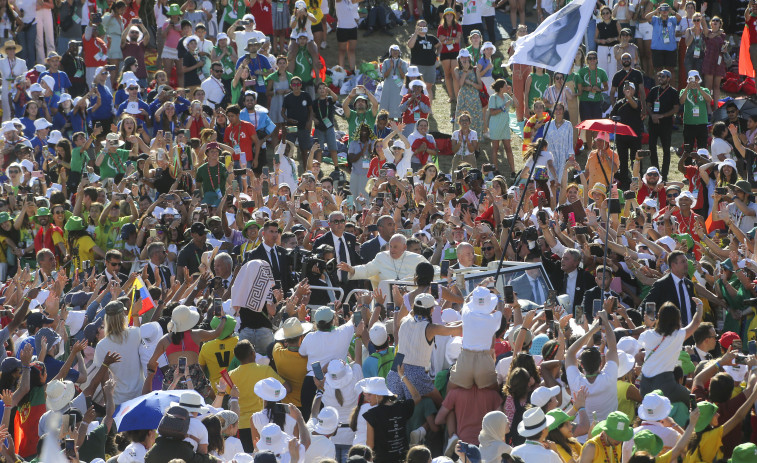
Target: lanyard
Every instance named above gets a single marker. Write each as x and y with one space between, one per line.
117 158
659 95
234 137
218 176
320 113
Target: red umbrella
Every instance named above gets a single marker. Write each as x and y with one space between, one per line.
606 125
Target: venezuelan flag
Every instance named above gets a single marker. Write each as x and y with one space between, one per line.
144 295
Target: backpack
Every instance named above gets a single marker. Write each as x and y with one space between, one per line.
384 361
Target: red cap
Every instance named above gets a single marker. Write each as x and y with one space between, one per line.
727 338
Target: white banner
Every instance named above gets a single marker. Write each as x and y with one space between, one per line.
554 43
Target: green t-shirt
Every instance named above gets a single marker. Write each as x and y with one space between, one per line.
589 78
694 108
229 66
108 233
303 66
78 159
94 446
356 119
212 178
539 85
114 164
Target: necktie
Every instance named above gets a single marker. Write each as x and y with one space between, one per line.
683 306
225 284
342 258
275 264
537 293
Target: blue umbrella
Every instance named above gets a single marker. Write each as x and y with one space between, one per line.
145 411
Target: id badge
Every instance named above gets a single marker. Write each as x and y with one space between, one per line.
279 7
227 71
665 37
450 47
695 111
697 52
416 116
657 106
591 95
237 150
233 14
79 73
327 123
76 18
367 165
218 193
261 81
696 194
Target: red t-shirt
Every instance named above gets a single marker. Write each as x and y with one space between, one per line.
196 127
469 407
692 175
423 155
374 166
132 11
413 109
442 30
645 191
752 25
240 134
44 238
92 47
263 16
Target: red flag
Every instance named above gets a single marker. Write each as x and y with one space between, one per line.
745 60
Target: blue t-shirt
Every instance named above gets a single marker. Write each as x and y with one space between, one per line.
59 121
105 111
29 129
485 62
62 82
53 367
259 62
79 123
120 97
664 34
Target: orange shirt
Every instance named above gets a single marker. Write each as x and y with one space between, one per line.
595 171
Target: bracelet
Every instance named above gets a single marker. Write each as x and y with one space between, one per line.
26 367
27 300
579 410
233 399
720 367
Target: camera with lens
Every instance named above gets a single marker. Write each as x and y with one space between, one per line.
508 221
299 257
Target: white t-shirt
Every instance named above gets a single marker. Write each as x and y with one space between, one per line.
486 7
545 157
602 394
133 453
744 222
242 37
325 346
666 350
231 447
532 453
198 430
718 147
128 372
479 329
260 419
320 447
463 151
347 16
350 397
471 12
361 433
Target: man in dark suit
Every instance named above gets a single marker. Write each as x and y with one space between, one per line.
113 260
156 253
568 278
276 256
386 228
595 293
531 285
674 287
344 245
705 343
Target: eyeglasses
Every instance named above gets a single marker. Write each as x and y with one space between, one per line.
652 174
559 78
338 221
696 20
12 172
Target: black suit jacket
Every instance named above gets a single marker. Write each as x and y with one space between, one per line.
369 249
285 265
165 275
121 277
590 296
664 290
328 238
584 282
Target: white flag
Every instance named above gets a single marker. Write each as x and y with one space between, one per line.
554 43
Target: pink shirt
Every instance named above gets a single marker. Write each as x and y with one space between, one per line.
173 36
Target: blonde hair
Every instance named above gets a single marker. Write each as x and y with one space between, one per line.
115 326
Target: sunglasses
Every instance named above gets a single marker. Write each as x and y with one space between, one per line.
672 195
559 78
296 84
114 264
338 221
488 248
696 20
591 58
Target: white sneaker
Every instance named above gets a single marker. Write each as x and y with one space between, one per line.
451 443
324 45
418 436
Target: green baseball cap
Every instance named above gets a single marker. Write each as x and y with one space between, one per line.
706 411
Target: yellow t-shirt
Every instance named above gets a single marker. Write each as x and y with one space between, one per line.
600 451
245 377
216 355
293 368
624 404
709 447
575 454
314 8
83 250
664 458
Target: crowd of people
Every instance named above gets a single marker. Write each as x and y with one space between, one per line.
212 252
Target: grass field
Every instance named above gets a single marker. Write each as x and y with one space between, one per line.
372 48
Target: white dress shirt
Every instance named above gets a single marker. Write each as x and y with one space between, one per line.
214 91
537 283
570 286
682 297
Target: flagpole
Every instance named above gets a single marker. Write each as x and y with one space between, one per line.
528 180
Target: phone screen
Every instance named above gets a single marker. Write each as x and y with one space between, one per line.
71 448
435 290
265 171
357 317
578 313
398 359
597 306
389 306
550 315
218 306
650 309
317 371
509 295
444 269
752 347
182 365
